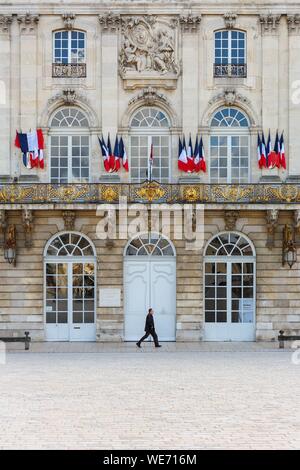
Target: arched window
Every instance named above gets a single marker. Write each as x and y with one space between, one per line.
69 147
229 147
150 244
229 284
69 47
230 53
150 126
69 244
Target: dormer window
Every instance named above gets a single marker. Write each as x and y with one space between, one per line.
69 54
230 54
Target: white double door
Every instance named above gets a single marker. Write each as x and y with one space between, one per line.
70 301
150 283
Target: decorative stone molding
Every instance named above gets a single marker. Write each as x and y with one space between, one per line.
149 48
68 96
293 24
110 22
68 19
3 226
28 23
5 22
272 221
269 23
230 19
230 218
69 219
230 97
149 96
190 23
27 219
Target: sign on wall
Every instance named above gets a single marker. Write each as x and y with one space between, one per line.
109 297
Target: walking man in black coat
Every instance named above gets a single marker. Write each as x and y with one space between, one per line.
150 330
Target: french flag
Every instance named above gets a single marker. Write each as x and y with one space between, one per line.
269 153
202 156
282 152
263 156
105 154
116 155
111 155
182 157
197 156
32 147
276 151
190 159
123 154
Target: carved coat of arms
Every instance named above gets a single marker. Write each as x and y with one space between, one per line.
148 45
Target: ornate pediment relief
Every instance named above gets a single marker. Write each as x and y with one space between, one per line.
149 51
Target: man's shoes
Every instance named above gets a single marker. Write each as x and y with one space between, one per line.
138 345
158 346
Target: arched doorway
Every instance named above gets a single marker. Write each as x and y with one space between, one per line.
229 286
70 282
150 281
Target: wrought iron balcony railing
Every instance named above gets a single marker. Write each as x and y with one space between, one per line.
150 192
68 70
230 70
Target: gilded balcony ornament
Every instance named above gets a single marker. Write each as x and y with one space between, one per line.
151 191
110 193
68 193
14 193
191 193
233 193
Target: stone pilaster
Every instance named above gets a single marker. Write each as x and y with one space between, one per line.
5 50
29 75
293 149
109 90
270 78
190 81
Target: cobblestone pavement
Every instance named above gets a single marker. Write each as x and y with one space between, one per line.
158 400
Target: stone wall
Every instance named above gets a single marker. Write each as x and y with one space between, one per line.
277 287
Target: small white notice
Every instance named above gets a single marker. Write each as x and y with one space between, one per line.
246 305
109 297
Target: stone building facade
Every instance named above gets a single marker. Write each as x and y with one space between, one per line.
149 72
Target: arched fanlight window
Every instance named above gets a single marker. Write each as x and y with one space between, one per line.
229 244
69 117
69 147
150 117
229 146
229 117
69 244
150 126
150 244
